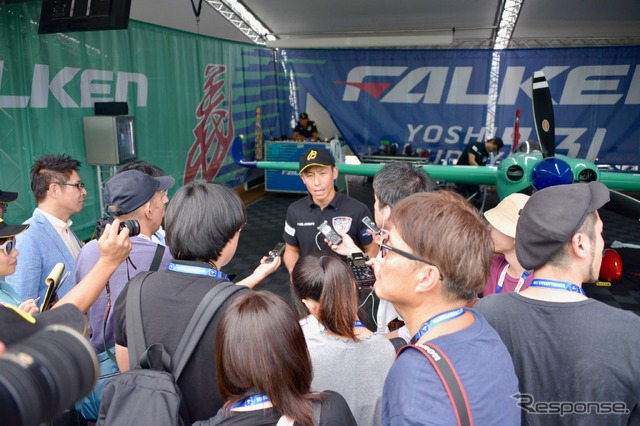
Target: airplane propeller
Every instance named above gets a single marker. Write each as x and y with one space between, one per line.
554 171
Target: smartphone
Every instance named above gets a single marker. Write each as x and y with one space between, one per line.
328 232
371 225
277 251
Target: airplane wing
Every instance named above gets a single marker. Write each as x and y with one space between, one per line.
479 175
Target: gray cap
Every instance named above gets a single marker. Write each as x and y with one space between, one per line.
552 216
127 191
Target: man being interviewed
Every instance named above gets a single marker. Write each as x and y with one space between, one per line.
324 202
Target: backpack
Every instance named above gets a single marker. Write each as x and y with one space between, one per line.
148 393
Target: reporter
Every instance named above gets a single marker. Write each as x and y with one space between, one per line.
346 356
264 369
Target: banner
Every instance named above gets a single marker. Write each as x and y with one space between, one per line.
436 100
190 95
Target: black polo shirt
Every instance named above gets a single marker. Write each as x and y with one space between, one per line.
478 150
343 213
306 131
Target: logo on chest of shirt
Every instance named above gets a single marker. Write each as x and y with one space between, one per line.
342 223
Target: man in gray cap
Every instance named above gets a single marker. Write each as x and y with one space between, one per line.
130 195
575 357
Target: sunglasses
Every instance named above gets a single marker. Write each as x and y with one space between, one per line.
8 245
386 248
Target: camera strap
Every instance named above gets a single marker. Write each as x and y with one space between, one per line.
447 373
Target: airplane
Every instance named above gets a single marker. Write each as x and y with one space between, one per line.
530 167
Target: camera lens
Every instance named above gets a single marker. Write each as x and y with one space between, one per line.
45 374
132 225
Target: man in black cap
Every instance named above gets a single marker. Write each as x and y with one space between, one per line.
129 195
575 357
324 202
5 198
305 129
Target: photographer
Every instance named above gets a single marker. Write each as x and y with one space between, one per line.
138 199
46 364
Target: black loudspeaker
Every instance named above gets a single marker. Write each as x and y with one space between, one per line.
111 108
61 16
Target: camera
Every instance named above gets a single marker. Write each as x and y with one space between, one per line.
44 374
132 225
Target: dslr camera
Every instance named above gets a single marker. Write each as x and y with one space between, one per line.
44 374
133 226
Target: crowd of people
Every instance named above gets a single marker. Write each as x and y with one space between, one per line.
493 324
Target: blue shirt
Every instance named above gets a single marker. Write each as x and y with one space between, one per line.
414 394
8 296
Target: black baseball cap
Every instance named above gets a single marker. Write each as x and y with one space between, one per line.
315 157
18 324
7 197
127 191
552 216
303 116
8 231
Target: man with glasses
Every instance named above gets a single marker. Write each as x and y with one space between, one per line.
435 260
59 194
6 197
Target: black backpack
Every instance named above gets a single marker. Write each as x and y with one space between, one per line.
148 392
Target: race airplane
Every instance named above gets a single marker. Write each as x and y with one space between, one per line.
530 167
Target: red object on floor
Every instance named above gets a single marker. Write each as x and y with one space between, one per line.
611 268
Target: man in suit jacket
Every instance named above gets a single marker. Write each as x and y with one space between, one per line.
59 193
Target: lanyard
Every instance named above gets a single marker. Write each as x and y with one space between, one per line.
521 281
438 319
358 323
251 400
197 270
557 285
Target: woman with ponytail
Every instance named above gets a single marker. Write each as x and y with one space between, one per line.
346 356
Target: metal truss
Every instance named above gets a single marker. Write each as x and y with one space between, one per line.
240 17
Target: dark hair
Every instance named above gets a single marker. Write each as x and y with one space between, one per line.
398 180
497 141
201 219
443 228
260 345
49 169
327 280
142 166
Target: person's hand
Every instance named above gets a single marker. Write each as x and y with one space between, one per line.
114 246
29 306
346 247
265 269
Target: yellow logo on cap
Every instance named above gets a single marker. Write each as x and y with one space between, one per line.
312 155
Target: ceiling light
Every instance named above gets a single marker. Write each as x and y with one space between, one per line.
241 18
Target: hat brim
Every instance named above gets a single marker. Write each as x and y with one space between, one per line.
7 197
501 222
9 231
18 325
165 182
315 165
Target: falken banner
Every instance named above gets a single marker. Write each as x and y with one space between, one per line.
190 96
437 100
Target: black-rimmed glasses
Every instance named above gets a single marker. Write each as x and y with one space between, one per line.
385 248
78 185
8 246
